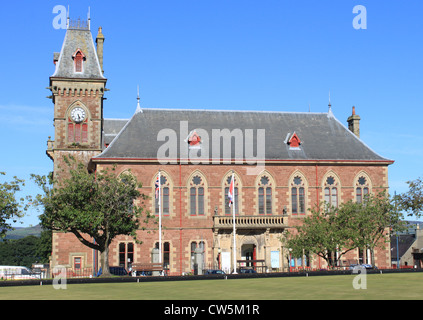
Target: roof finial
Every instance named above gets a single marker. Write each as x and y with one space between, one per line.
138 100
67 19
330 114
89 19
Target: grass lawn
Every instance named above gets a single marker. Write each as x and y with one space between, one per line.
407 286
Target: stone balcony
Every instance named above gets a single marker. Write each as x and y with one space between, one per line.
250 222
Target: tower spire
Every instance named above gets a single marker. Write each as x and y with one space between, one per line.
138 100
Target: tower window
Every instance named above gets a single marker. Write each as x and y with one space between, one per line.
78 58
77 132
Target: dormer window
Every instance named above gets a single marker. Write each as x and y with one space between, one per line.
293 141
78 59
194 140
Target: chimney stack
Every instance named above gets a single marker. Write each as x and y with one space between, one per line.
354 123
99 41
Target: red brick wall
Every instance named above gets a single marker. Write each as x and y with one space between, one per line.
180 228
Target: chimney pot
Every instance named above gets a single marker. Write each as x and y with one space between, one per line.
354 123
99 41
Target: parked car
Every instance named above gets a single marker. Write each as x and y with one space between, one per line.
363 265
214 271
116 271
247 270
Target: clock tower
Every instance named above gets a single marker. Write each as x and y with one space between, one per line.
77 87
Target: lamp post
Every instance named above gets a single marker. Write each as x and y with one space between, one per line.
395 197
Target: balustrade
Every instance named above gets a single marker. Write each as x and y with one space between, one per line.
246 222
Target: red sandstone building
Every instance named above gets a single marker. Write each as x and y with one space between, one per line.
283 162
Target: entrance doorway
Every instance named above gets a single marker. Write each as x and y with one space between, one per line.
248 252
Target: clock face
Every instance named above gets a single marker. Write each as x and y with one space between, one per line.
78 114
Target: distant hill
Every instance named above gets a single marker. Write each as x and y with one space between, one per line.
20 233
412 225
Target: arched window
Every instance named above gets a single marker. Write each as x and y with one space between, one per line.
228 210
164 196
165 254
196 196
126 254
331 191
362 188
78 59
265 200
298 195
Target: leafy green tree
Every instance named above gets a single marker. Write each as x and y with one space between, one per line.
20 252
95 207
412 200
331 232
44 247
371 221
322 234
11 209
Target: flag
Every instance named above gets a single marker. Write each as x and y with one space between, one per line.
157 184
231 192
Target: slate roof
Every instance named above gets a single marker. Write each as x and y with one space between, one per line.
322 136
78 39
111 128
404 243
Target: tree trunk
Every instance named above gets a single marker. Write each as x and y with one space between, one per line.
104 262
372 253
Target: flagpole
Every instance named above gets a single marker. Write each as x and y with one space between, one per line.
160 221
233 214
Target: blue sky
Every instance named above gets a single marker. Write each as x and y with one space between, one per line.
224 54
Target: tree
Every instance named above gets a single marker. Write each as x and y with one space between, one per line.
11 209
94 207
371 221
321 233
20 252
412 200
43 251
331 232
